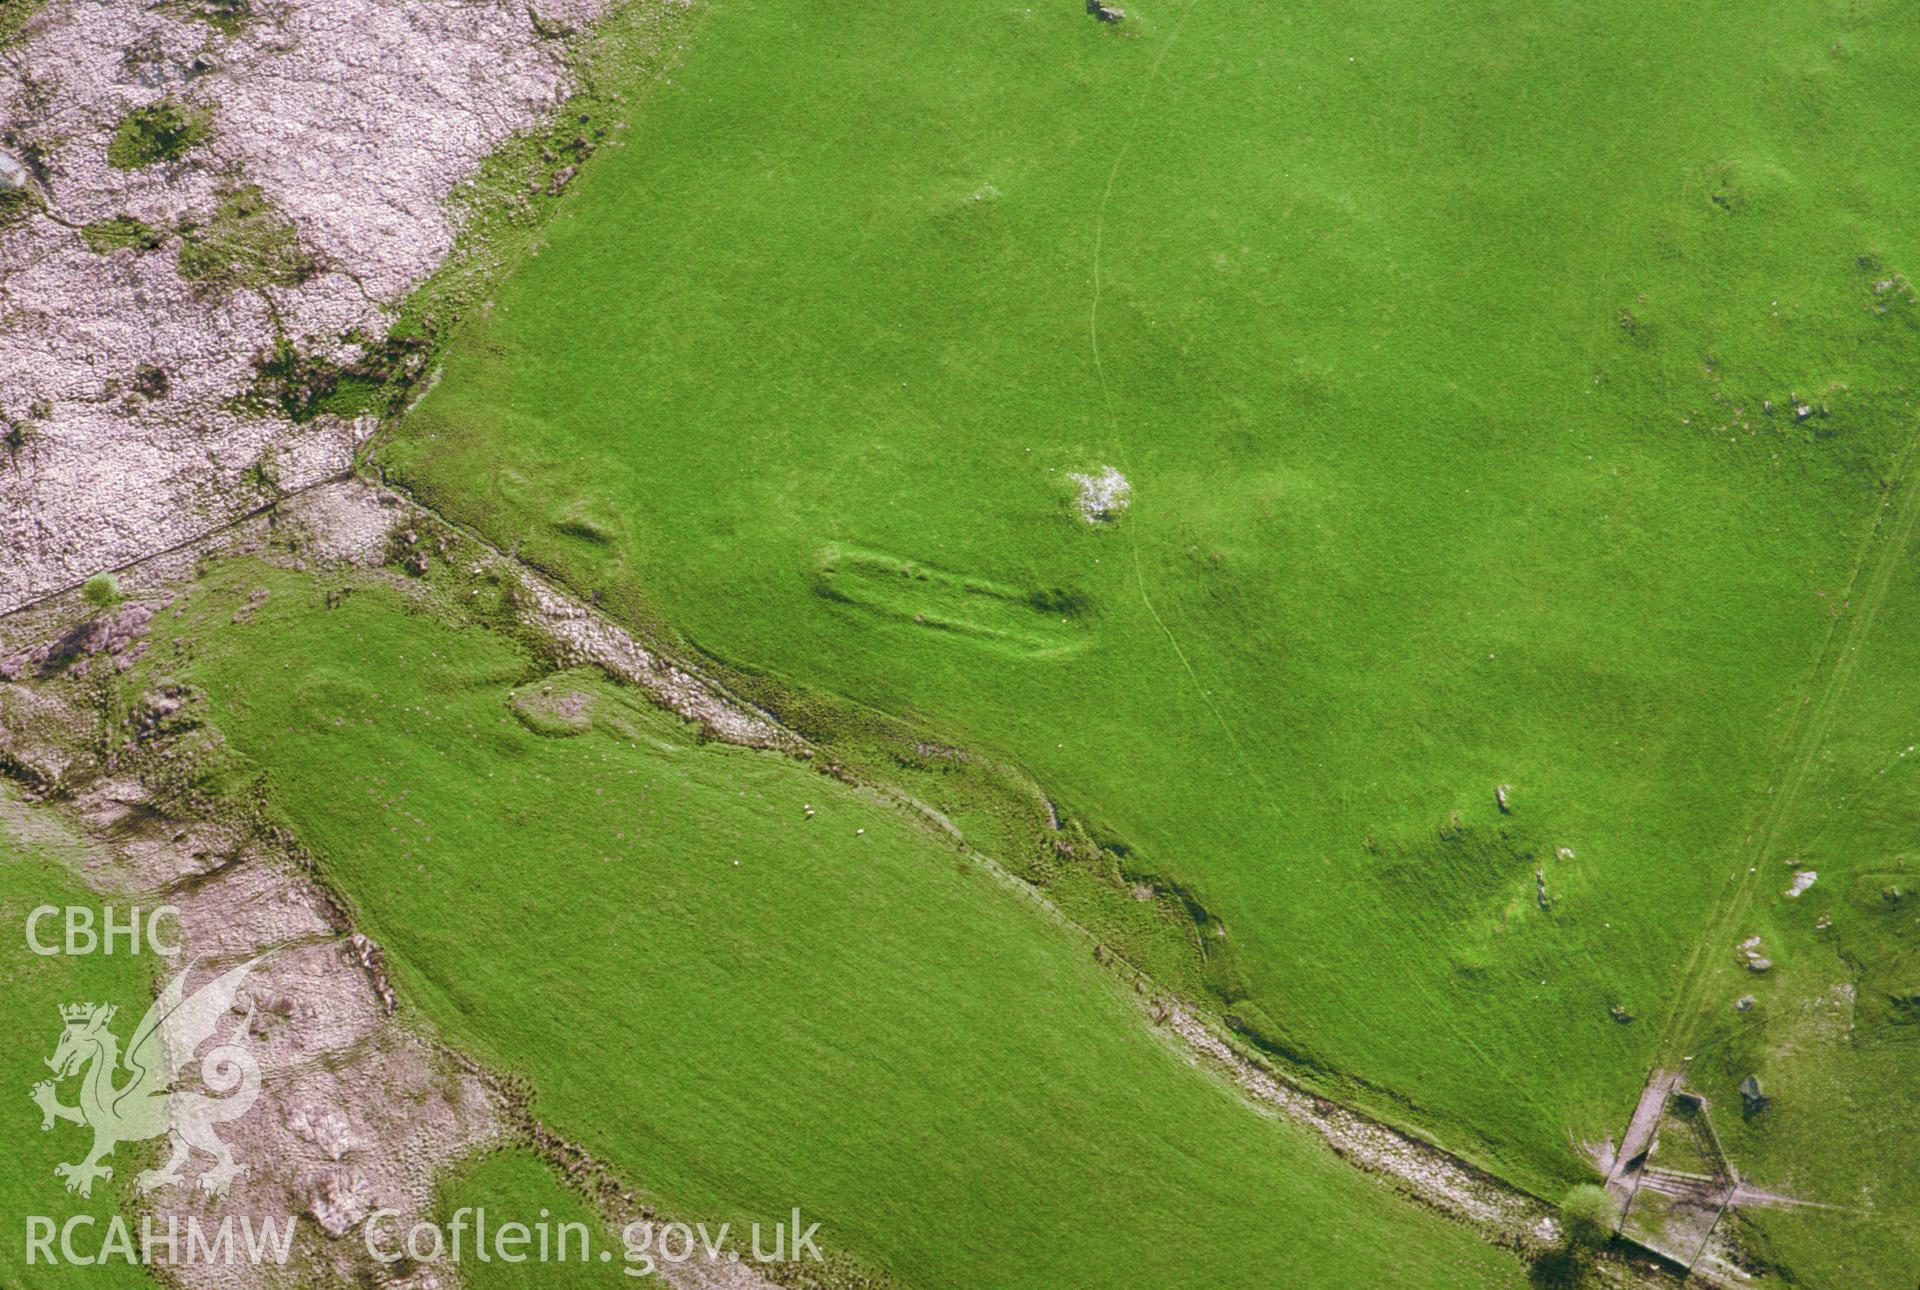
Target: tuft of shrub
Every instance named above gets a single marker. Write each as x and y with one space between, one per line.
102 591
158 132
1590 1215
245 243
121 233
227 17
295 383
150 381
16 204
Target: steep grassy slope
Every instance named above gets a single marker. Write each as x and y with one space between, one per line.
747 1009
1506 394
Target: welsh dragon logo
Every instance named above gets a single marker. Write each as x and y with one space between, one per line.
148 1103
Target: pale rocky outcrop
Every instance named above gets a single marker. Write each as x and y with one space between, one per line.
356 119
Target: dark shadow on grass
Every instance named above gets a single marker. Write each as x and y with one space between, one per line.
1560 1269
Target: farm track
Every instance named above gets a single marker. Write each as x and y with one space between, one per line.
1881 556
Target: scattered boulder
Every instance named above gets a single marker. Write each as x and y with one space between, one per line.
112 632
1620 1014
255 598
39 738
373 961
1752 1100
150 382
1755 960
324 1126
1105 13
161 712
1744 1003
556 714
1758 963
1103 496
343 1199
1802 879
1503 798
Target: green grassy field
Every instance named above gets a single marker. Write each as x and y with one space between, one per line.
1457 357
744 1009
36 868
1835 1026
517 1187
